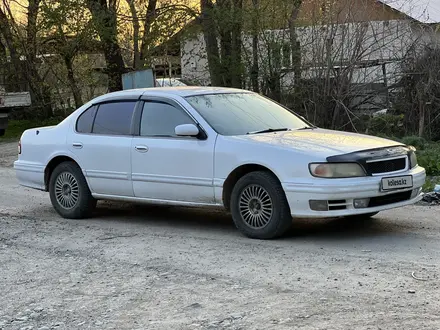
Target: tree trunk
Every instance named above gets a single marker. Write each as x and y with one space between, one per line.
225 23
39 90
210 36
237 27
146 37
137 63
422 117
31 31
255 66
8 39
294 44
115 66
106 25
68 61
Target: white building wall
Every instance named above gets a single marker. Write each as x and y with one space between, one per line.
338 45
194 60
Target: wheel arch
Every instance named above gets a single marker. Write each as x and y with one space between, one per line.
236 175
52 164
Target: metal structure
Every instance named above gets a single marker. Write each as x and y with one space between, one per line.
138 79
13 94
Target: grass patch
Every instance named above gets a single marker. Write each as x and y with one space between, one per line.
428 156
17 127
430 183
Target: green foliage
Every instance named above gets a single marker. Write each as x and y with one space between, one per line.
430 184
428 152
429 158
388 124
17 127
415 141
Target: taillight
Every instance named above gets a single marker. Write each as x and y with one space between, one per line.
19 147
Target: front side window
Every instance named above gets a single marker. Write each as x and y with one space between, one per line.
114 118
243 113
84 123
159 119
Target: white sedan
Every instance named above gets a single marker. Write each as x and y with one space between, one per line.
215 147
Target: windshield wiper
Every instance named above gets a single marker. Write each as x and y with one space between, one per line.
306 128
270 130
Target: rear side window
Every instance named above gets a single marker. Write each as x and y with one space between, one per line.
84 123
114 118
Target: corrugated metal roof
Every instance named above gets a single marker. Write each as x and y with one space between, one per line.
424 11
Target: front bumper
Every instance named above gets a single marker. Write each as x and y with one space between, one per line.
345 191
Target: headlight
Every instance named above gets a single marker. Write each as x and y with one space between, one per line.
412 157
336 170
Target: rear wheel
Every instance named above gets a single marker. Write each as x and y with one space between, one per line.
69 192
259 206
2 132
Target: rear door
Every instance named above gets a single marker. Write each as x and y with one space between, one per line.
101 142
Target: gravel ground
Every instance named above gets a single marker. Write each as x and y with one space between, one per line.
144 267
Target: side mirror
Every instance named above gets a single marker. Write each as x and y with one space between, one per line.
187 130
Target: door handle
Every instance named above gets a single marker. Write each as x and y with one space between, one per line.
141 148
77 145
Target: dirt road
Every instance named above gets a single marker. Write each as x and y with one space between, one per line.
138 267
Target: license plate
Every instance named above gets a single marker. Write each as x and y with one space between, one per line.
397 182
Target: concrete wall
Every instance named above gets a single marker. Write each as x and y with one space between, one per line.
323 47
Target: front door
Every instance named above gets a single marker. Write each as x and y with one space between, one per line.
101 143
168 167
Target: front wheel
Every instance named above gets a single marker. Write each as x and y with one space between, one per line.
259 206
69 193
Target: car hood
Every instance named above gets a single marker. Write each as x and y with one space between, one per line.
321 141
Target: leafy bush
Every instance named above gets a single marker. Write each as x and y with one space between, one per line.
430 184
428 153
17 127
429 158
418 142
389 125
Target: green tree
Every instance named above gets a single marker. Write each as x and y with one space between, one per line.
104 14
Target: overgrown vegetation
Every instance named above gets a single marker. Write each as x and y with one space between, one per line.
429 158
17 127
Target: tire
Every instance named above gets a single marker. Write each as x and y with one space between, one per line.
70 181
254 192
2 132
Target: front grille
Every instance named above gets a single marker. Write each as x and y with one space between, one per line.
390 199
386 166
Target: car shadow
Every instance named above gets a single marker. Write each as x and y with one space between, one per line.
218 220
165 215
340 228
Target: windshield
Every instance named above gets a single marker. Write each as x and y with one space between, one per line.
244 113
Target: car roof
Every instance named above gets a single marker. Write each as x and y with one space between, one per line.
182 91
191 90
